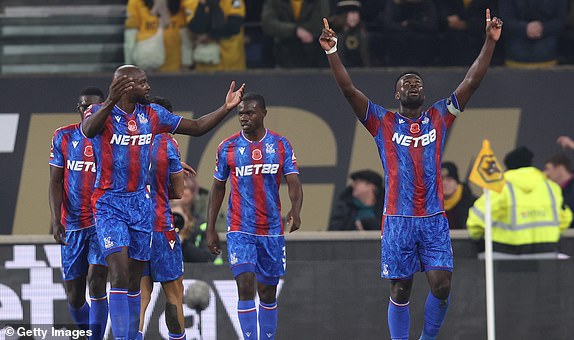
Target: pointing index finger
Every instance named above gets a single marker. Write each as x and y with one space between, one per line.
326 23
488 14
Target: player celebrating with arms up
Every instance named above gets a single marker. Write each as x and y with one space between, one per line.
414 228
122 130
254 160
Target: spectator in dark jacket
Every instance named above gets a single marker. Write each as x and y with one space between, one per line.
353 37
295 27
457 196
360 206
532 29
410 33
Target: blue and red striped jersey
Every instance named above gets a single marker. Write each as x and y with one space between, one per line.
411 153
123 148
255 170
73 152
165 160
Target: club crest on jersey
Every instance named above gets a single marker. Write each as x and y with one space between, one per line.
108 243
415 128
132 126
269 148
75 143
117 118
142 118
241 150
256 154
88 151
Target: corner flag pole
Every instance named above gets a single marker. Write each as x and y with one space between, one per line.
487 174
488 263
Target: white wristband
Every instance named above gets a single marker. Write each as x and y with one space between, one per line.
333 49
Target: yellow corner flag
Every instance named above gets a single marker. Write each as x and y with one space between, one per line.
486 171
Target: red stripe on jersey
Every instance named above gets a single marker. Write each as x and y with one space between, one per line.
373 124
235 218
98 193
448 119
64 210
419 194
135 163
390 154
259 193
437 125
107 156
161 196
382 225
87 184
153 119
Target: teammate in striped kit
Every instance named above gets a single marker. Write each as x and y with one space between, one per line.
166 261
254 160
72 175
415 229
122 129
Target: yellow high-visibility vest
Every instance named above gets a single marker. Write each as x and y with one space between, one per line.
528 211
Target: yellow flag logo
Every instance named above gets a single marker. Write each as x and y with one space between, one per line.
486 171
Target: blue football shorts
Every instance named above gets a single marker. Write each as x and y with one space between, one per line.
412 244
82 250
166 262
263 255
123 220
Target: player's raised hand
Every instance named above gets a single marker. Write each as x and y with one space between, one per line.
188 170
120 86
233 98
213 241
493 26
565 142
328 37
59 233
293 221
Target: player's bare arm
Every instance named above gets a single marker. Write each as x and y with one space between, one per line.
359 102
56 193
202 125
188 170
216 196
478 69
565 142
296 197
94 124
176 186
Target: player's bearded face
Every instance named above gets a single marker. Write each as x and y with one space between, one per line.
140 92
411 92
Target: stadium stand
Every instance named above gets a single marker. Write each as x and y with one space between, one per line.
61 36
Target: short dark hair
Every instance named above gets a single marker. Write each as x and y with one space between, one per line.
404 74
449 169
560 159
520 157
92 91
255 97
163 102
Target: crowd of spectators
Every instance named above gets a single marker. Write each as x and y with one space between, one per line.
239 34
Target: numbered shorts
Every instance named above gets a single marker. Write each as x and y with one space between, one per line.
412 244
123 220
263 255
82 250
166 262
